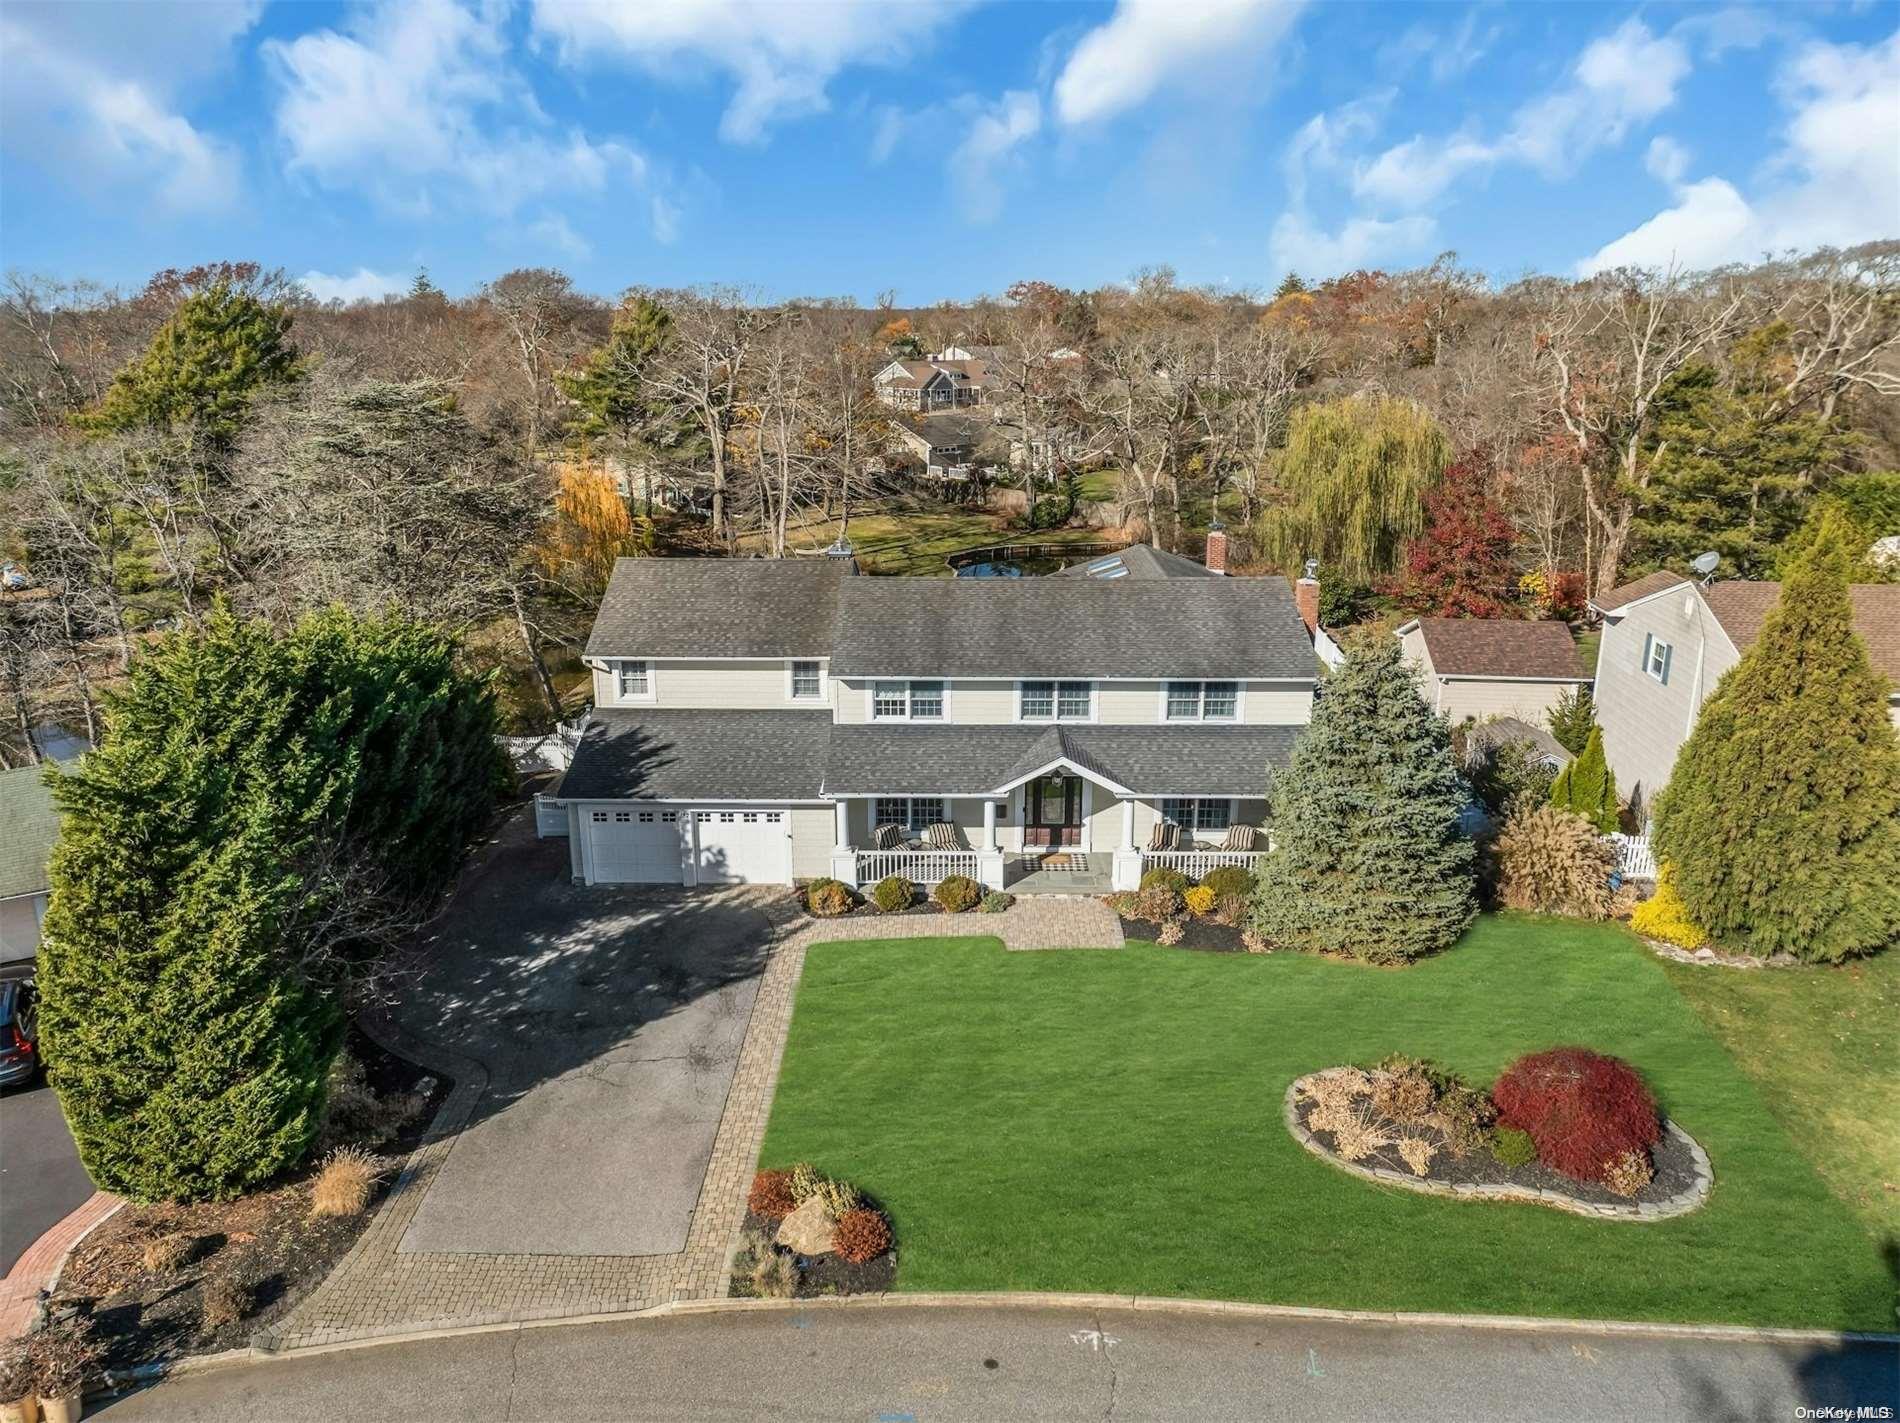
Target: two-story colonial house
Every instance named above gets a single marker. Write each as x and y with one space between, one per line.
769 721
1666 642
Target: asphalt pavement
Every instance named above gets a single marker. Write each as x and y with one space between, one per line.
41 1180
917 1364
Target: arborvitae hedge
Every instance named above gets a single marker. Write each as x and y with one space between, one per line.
1587 787
1367 856
1781 820
187 1024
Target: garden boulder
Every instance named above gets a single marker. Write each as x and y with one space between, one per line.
809 1230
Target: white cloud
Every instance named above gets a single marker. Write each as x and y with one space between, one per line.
991 137
553 230
1299 245
360 285
666 219
1666 159
1147 44
1834 182
782 55
416 101
1620 80
96 95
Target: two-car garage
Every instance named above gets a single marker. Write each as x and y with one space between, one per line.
631 843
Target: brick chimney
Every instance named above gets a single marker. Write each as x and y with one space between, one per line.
1217 547
1306 596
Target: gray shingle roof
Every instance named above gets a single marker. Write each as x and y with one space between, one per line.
1061 627
718 607
974 760
691 754
1500 647
28 827
1143 561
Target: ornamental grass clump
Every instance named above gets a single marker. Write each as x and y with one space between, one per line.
346 1182
1552 861
1582 1109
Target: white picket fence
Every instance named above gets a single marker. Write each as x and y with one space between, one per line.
918 866
1634 859
550 818
551 751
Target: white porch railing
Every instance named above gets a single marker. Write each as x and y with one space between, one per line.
1634 858
1196 863
917 866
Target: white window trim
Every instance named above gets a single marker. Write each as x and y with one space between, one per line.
791 694
1232 804
1657 651
910 821
870 701
1055 702
1200 703
628 699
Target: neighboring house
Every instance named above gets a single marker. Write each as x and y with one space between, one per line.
1142 561
931 385
1509 730
1475 668
761 720
945 444
30 825
1667 641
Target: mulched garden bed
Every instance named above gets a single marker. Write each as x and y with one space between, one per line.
266 1243
821 1275
1673 1159
868 910
1203 935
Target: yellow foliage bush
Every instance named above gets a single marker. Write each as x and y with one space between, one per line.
1200 900
1664 916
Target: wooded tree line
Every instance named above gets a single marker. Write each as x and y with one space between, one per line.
218 435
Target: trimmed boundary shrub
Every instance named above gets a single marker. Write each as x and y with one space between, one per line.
893 893
1162 877
1583 1109
1228 880
957 894
828 898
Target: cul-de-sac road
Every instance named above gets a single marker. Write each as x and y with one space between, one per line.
916 1364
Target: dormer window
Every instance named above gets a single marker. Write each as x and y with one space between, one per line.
808 683
1055 701
633 680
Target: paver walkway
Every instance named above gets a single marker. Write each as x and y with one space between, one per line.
34 1270
380 1289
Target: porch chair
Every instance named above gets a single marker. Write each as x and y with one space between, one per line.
888 837
1241 837
1167 836
943 836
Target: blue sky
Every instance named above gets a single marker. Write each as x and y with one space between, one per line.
935 149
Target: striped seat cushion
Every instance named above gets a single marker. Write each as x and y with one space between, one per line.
942 836
888 837
1166 837
1240 837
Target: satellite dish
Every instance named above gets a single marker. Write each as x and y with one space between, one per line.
1704 563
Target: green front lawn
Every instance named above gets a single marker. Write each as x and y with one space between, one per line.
1110 1121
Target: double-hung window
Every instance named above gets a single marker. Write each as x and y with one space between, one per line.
1200 814
1055 701
1202 701
1656 655
912 812
807 684
907 701
633 681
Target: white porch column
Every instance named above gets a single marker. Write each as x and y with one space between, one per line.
1125 866
844 859
989 824
989 859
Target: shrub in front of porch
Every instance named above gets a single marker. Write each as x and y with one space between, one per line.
1227 880
957 894
1367 856
893 893
1162 877
828 898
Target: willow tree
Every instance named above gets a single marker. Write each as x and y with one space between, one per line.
1354 477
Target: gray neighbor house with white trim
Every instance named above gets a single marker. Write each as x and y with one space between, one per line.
779 720
1666 642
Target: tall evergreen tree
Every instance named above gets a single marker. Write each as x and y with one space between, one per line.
1572 718
1367 856
256 803
1781 819
1587 786
215 353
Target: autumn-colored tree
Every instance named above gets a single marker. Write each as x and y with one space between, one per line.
897 337
590 528
1461 566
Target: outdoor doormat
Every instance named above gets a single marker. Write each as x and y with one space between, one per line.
1071 864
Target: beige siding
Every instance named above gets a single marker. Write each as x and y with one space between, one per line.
812 830
1412 646
20 926
1475 699
1645 721
993 703
753 685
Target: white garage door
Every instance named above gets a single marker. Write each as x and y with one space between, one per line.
739 846
634 846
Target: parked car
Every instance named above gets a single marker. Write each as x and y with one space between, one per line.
19 1032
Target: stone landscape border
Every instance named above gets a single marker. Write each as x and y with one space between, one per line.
1688 1199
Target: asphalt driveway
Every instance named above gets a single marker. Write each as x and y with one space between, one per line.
607 1023
41 1180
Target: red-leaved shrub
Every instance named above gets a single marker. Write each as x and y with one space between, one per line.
862 1234
1584 1110
771 1195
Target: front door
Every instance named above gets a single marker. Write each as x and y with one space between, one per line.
1053 812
